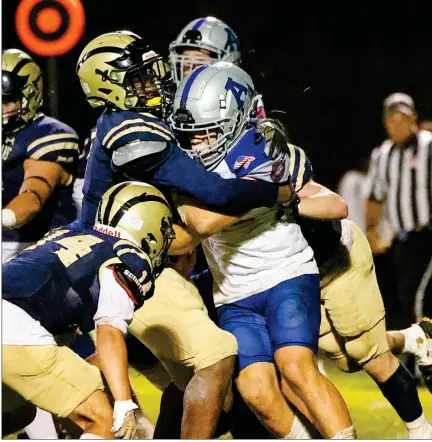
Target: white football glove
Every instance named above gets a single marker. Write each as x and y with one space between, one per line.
125 425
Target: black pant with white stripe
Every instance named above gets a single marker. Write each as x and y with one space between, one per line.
413 272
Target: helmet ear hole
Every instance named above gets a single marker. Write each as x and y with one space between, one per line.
152 238
145 246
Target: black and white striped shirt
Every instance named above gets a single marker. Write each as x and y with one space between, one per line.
401 178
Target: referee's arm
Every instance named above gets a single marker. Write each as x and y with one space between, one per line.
374 206
374 215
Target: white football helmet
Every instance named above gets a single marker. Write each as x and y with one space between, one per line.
209 34
220 96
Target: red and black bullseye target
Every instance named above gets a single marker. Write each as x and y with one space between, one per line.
50 27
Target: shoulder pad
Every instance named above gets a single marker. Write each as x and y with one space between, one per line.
116 129
131 284
136 150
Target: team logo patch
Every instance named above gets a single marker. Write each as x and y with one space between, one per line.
278 170
243 161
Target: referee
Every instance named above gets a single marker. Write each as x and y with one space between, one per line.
400 187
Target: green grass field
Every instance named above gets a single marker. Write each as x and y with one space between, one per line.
372 415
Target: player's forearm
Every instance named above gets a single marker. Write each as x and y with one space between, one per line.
112 355
23 208
324 205
374 213
204 222
231 196
185 241
40 179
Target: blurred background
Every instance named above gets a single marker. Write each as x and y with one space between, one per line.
328 68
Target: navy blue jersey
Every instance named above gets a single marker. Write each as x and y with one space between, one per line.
45 139
56 281
82 164
153 156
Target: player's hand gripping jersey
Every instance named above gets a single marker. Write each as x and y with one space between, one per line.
44 139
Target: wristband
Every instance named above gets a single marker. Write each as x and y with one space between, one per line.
8 219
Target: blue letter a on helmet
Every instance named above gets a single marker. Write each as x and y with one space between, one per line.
237 90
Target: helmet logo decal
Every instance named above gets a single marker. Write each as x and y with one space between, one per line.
107 230
103 74
148 55
232 41
237 89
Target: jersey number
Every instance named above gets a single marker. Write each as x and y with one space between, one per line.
73 247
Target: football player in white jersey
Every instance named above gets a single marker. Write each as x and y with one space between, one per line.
357 318
266 279
204 40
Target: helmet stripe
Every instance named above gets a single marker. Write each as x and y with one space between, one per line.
189 83
110 202
198 24
19 65
133 202
101 50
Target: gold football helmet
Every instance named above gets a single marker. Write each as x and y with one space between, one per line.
120 70
140 213
21 81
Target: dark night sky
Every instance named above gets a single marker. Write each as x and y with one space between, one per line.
328 68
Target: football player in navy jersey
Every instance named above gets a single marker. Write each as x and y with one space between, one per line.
84 278
39 157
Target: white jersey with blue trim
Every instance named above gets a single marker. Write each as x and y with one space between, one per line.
258 252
